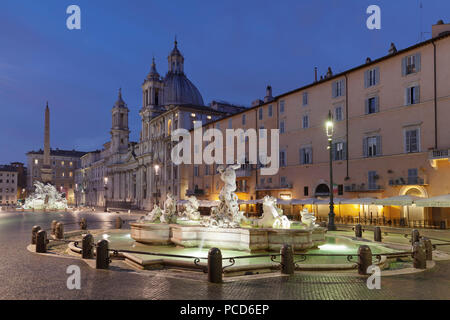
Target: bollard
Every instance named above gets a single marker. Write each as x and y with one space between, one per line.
54 222
364 259
428 248
87 247
102 254
119 223
215 265
414 236
377 234
34 232
287 259
83 224
59 230
419 256
358 231
41 242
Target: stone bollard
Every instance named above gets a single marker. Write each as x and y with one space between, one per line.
377 234
34 232
102 254
215 265
54 222
287 259
41 242
364 259
87 247
59 230
358 231
419 256
415 236
83 224
428 248
119 223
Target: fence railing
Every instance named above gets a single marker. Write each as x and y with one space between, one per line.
380 221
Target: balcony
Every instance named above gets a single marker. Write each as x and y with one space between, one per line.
363 188
438 154
284 186
407 181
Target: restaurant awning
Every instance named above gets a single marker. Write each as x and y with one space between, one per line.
364 201
405 200
438 201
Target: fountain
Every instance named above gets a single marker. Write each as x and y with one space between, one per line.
45 197
226 227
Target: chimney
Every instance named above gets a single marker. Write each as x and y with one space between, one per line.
368 60
329 73
268 96
315 74
392 49
440 29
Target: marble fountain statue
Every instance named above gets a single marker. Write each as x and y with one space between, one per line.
45 197
226 227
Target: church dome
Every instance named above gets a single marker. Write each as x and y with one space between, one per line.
178 89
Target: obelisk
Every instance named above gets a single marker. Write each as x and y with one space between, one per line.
46 170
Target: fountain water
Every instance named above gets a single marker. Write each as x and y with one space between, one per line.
45 197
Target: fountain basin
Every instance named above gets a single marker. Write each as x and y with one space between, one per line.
244 239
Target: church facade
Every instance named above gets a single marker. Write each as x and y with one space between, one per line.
127 174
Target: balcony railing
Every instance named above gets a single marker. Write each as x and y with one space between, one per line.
407 181
438 154
363 188
281 186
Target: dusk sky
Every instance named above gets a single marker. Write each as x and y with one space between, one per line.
232 50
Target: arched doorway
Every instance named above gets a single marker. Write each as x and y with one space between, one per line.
322 190
413 213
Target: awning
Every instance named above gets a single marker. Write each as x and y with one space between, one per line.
364 201
304 201
405 200
438 201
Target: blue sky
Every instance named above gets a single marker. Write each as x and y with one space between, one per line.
232 50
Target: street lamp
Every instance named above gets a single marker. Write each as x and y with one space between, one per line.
329 130
105 186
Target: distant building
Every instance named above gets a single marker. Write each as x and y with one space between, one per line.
21 179
8 185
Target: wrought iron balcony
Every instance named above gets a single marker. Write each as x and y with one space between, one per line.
363 188
407 181
282 186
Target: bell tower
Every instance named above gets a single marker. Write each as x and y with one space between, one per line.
119 129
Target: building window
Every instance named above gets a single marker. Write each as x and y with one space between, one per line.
338 114
371 77
412 95
372 146
282 158
372 105
338 151
306 155
283 181
413 176
338 88
196 171
305 122
372 179
270 111
260 113
305 191
282 106
62 163
230 124
305 98
206 170
243 119
262 180
412 138
282 126
340 189
411 64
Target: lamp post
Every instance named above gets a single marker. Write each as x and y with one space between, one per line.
329 129
105 186
156 168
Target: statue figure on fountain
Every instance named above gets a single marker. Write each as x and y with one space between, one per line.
308 219
191 209
45 197
154 215
227 214
272 216
170 210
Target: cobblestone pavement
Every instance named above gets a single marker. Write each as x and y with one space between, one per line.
25 275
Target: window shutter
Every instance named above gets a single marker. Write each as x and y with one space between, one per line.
407 96
404 67
417 62
310 156
366 79
377 75
367 106
365 147
333 89
407 145
343 87
379 152
377 104
417 93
